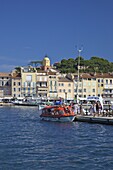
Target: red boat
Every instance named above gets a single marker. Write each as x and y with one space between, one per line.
58 113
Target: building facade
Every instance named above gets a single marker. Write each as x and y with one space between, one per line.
16 85
65 88
5 85
94 85
42 84
28 84
46 82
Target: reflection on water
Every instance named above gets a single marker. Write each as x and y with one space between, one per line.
26 142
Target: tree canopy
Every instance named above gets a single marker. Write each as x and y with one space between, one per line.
94 64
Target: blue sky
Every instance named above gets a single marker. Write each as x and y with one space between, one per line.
31 29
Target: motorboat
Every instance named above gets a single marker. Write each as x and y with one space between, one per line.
25 102
58 113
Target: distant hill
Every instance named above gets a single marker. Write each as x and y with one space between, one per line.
94 64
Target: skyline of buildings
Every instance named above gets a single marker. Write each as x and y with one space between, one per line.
47 82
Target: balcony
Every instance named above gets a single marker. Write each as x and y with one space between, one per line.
108 86
108 92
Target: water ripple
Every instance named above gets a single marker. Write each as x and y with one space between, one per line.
28 143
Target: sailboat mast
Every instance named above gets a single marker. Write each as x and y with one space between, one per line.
78 74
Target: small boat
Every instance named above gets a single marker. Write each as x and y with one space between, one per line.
25 102
57 113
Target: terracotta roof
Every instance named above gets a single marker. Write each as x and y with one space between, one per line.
96 75
64 79
5 75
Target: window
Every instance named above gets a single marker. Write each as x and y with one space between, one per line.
28 84
64 90
75 90
14 84
106 81
60 90
7 83
69 90
40 79
84 90
69 84
29 78
80 90
50 83
45 78
110 81
93 90
18 83
93 84
29 89
89 90
55 83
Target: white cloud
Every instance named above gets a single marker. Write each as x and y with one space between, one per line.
6 67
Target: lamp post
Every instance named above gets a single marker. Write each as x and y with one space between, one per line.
78 74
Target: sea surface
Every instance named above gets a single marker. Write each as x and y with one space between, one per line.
28 143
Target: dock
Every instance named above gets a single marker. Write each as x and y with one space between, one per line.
92 119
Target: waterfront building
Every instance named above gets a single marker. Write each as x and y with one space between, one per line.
94 84
46 82
16 84
42 84
53 84
106 85
87 85
65 88
5 85
28 84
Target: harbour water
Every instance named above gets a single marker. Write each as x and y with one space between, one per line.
27 143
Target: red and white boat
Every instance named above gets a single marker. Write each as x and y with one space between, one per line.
58 113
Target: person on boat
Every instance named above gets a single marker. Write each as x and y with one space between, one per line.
97 108
75 108
81 109
92 109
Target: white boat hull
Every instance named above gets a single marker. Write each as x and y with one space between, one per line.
59 119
